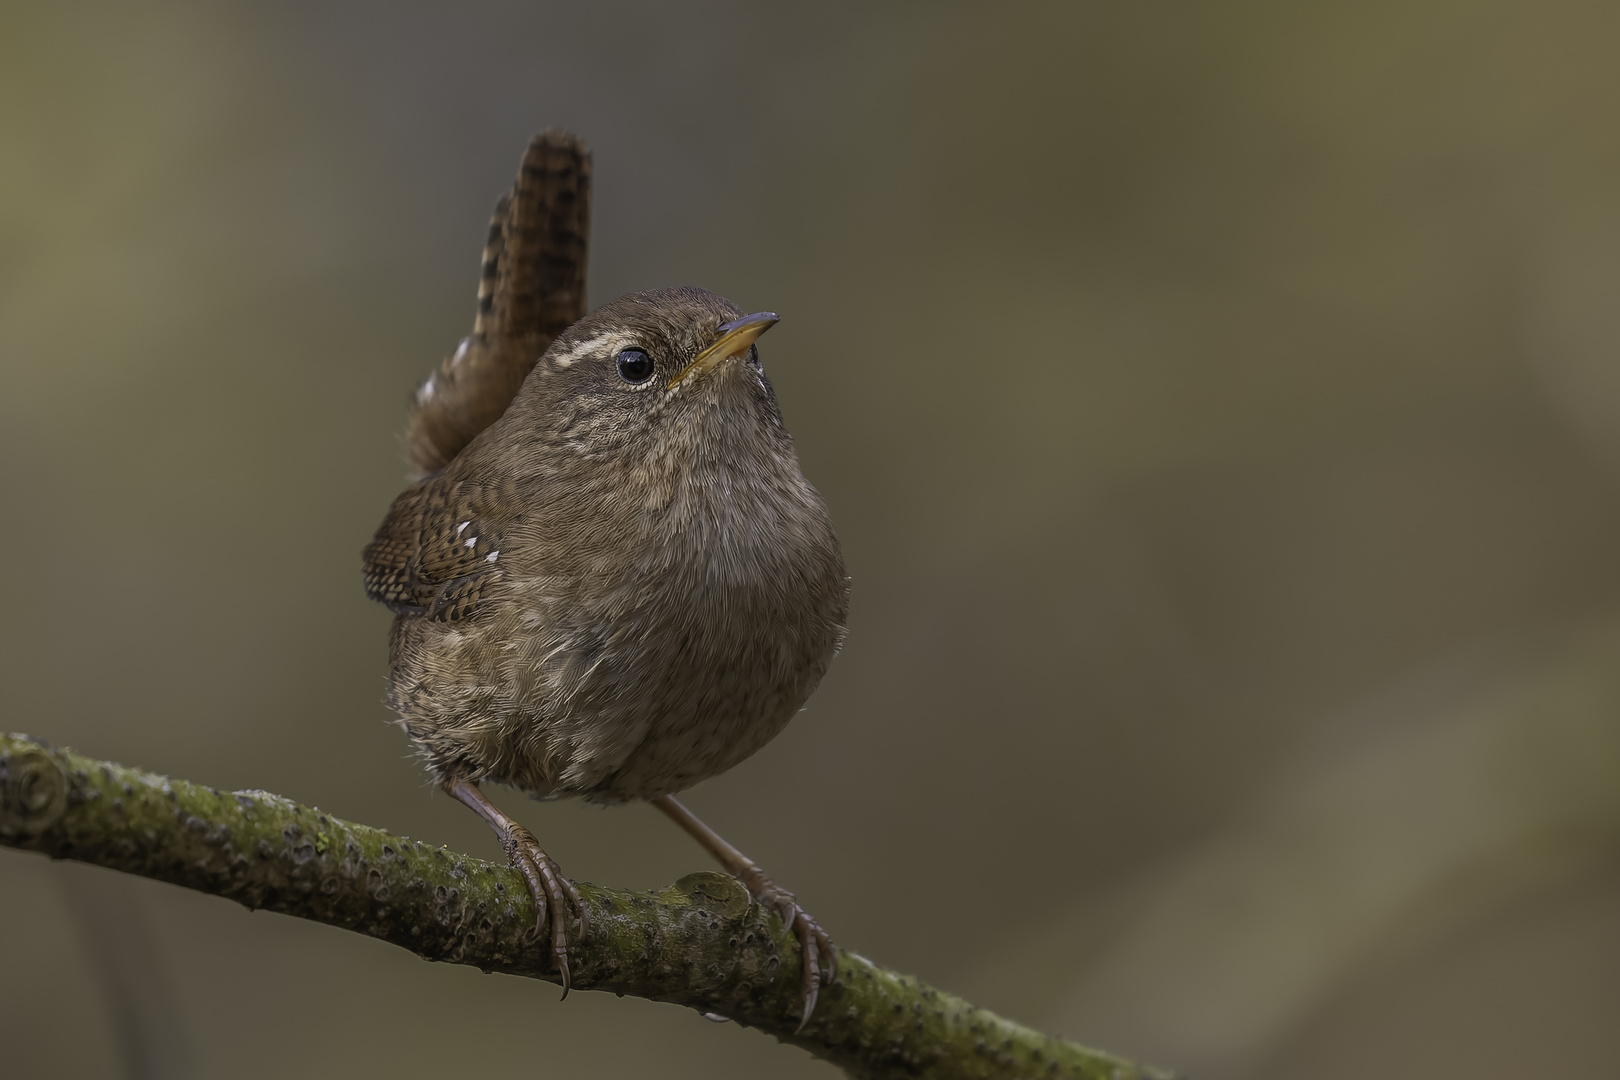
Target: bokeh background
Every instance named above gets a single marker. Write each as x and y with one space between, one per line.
1219 405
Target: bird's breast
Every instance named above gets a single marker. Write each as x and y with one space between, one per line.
681 639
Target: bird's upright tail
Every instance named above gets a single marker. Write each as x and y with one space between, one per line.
531 289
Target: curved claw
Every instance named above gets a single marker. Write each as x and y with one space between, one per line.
812 971
814 944
809 1007
552 893
815 947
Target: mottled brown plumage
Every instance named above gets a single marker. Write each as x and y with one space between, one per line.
531 288
616 590
620 587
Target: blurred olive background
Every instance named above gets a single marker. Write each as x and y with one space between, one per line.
1218 405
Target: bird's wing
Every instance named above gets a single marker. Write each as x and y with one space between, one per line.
532 288
434 554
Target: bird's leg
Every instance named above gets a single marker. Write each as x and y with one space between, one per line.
551 891
813 940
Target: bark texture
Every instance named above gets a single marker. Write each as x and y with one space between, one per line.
702 942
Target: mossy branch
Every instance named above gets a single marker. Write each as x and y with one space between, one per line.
702 942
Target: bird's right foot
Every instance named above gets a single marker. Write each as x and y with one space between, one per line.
552 893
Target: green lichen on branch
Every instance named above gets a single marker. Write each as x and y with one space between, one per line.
702 942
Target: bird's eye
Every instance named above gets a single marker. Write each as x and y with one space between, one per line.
635 366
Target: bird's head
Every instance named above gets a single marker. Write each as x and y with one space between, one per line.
665 372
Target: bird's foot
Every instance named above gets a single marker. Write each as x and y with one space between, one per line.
819 954
552 893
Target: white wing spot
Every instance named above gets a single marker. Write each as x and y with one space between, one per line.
462 526
492 556
470 541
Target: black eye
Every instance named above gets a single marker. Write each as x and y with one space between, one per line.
635 366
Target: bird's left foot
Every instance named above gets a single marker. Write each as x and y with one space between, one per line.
817 949
819 953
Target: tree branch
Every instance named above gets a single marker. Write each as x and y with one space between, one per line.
702 942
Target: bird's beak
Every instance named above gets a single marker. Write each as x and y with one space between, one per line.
735 338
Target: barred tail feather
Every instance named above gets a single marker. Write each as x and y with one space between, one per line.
531 287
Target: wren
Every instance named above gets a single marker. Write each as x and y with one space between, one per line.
613 580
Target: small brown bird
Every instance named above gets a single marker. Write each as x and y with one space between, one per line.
613 581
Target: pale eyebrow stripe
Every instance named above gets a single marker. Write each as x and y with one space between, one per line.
611 341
